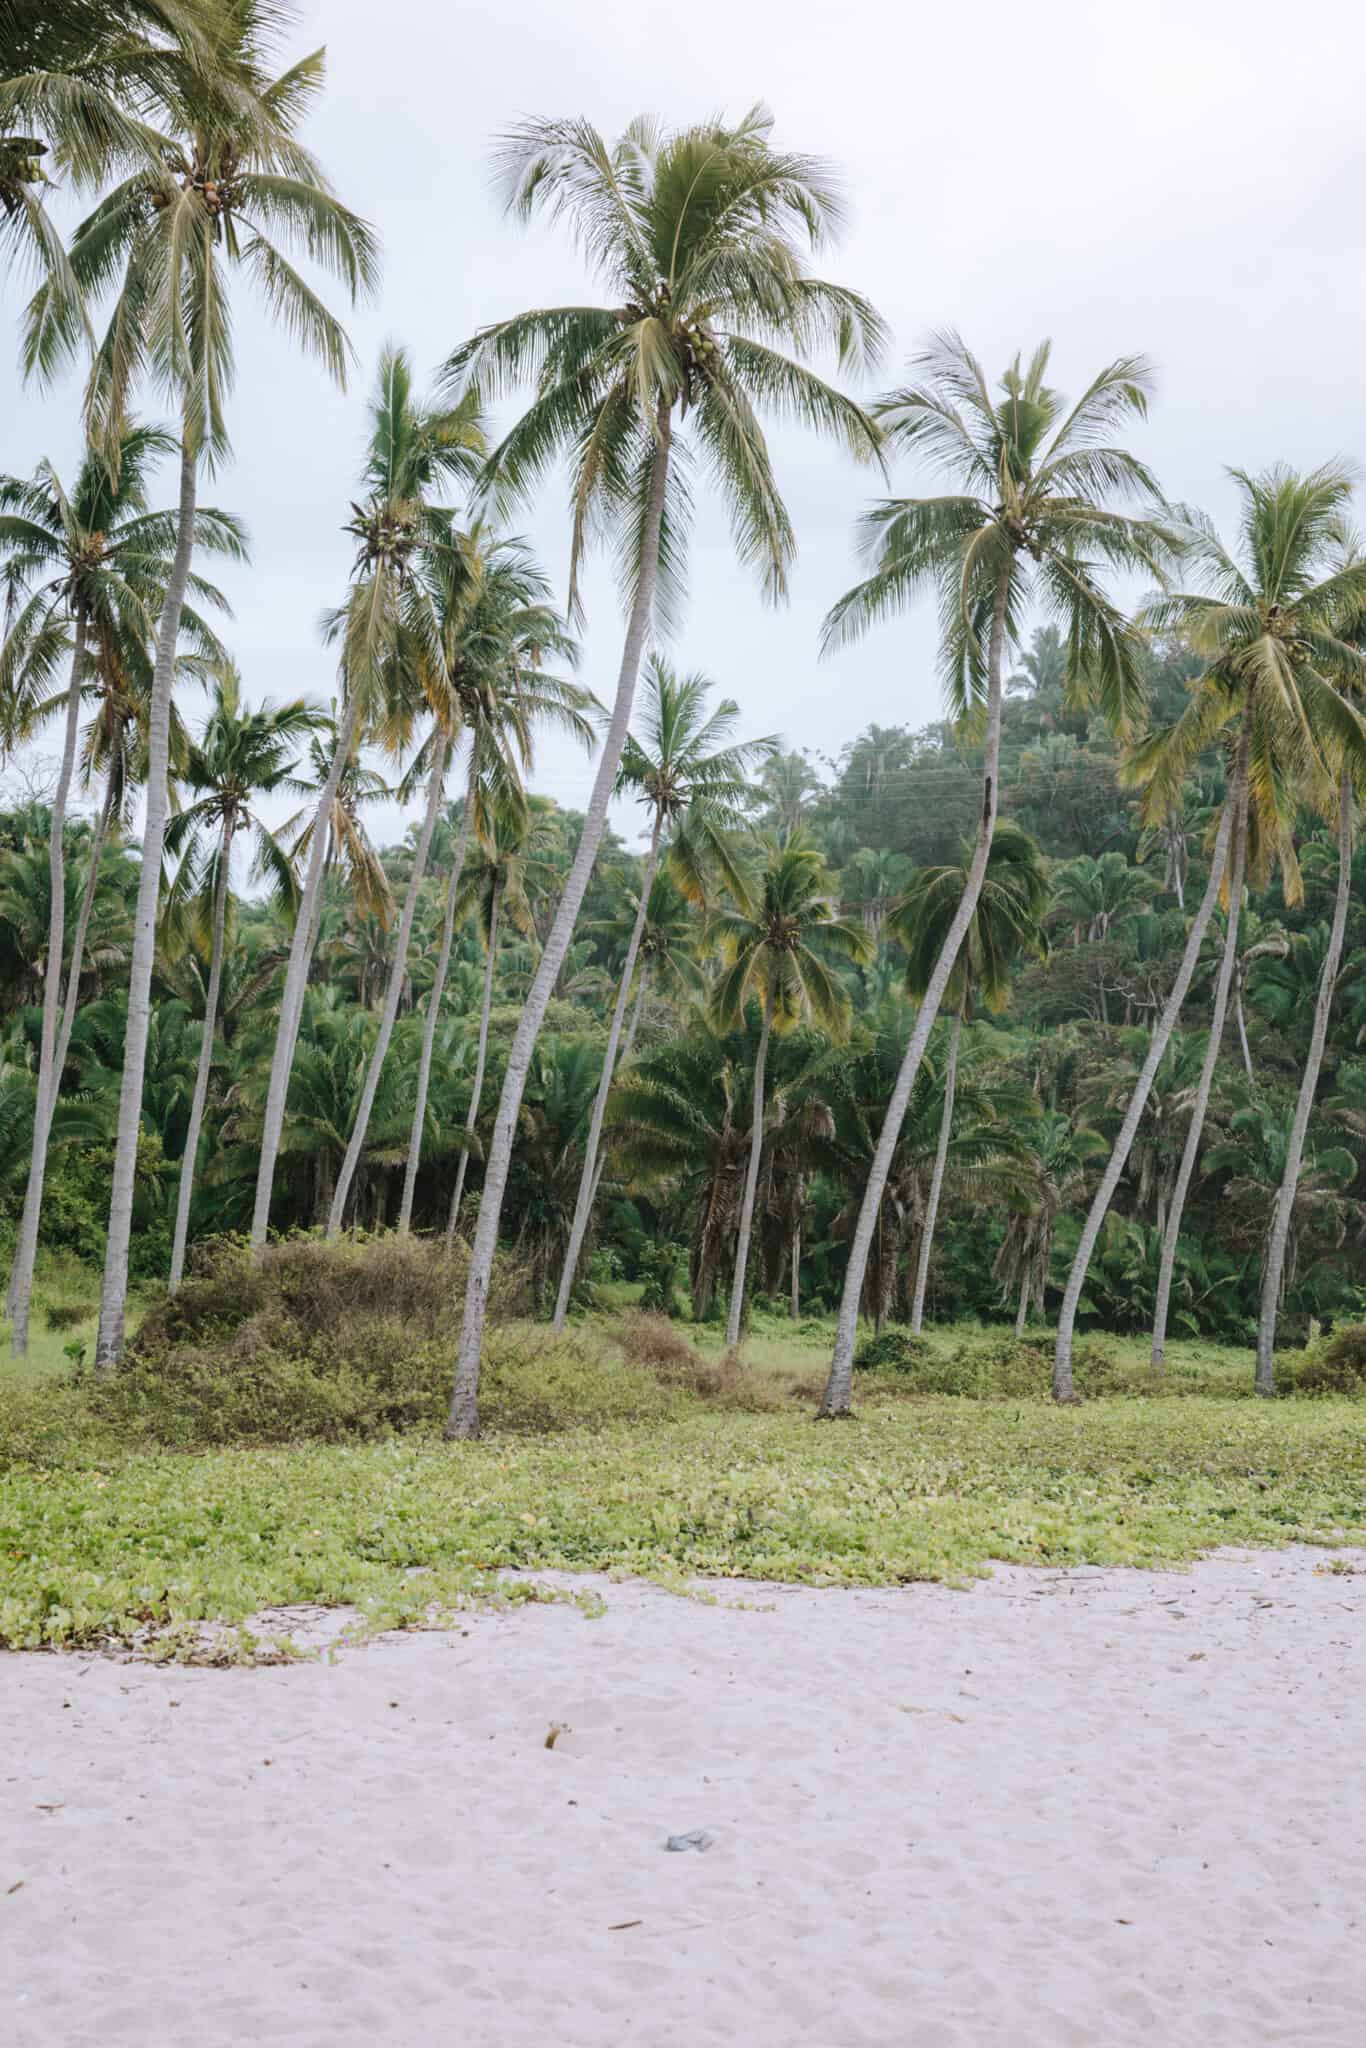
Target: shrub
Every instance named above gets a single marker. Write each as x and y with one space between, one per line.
659 1268
892 1351
653 1342
65 1315
1330 1365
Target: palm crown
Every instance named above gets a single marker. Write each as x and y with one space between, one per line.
1007 921
1035 517
770 946
697 234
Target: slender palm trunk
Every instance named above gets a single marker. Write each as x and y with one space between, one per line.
836 1400
1022 1312
1133 1115
463 1419
398 974
109 1343
296 977
201 1079
479 1060
1239 1020
795 1301
622 1057
941 1156
49 1073
424 1067
756 1146
588 1179
1228 967
1279 1235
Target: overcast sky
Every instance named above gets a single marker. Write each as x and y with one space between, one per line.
1181 179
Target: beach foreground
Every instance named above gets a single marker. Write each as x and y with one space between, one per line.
1057 1810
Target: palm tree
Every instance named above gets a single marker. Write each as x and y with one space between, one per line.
768 952
240 757
1276 669
1057 1153
230 176
1098 896
88 75
85 571
481 671
1033 520
1007 921
495 886
698 233
691 778
387 628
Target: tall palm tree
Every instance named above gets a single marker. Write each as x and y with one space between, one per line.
481 674
767 946
1033 520
691 777
1007 921
387 628
229 179
1272 689
85 571
241 756
698 233
495 885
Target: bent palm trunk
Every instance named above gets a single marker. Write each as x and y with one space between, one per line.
1190 1152
941 1155
296 979
588 1179
424 1065
109 1343
756 1146
201 1079
479 1060
1285 1197
1022 1312
463 1417
398 972
836 1400
49 1071
1133 1116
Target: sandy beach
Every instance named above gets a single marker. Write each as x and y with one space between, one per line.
1058 1810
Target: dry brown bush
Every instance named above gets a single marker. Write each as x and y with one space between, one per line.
652 1341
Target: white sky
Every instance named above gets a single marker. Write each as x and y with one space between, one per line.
1184 179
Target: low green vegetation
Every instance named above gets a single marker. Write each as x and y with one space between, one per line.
266 1443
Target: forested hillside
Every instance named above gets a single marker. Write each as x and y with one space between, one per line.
1045 1063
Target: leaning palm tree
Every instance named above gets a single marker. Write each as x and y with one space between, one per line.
698 233
1034 520
691 777
240 757
1055 1155
481 675
772 949
1273 691
230 178
84 571
416 450
1007 921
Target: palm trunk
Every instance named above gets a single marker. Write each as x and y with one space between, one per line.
795 1302
622 1057
296 979
1242 1026
49 1072
1279 1235
463 1418
941 1155
201 1079
398 974
1200 1107
1022 1312
424 1068
1133 1116
756 1146
480 1058
838 1390
588 1179
109 1343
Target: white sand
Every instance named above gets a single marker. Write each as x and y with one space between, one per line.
1086 1808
